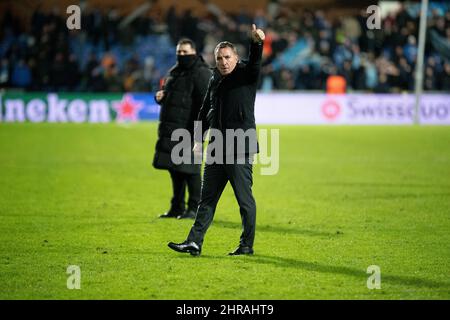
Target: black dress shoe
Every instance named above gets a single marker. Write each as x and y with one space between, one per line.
170 214
241 250
188 214
186 247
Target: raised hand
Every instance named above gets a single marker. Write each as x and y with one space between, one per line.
257 34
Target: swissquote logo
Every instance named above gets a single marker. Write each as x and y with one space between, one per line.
331 109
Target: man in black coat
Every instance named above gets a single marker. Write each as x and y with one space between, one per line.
181 98
229 106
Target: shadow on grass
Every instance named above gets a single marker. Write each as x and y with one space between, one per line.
396 196
276 229
372 195
372 185
317 267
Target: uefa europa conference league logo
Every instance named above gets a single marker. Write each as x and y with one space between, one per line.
237 142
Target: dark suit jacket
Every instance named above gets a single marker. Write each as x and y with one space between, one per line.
230 101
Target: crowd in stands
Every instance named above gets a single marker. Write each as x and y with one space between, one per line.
302 49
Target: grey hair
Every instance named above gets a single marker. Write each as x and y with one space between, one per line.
225 44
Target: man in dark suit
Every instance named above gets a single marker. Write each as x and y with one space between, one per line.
180 100
229 105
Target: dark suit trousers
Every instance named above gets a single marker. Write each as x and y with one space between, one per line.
215 178
179 182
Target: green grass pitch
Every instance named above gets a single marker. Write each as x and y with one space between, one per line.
345 198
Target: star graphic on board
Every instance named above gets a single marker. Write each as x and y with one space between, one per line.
127 109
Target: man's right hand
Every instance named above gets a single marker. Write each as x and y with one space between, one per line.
159 95
257 34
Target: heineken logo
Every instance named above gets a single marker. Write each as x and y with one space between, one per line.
94 108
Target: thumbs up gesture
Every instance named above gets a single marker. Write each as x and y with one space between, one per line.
257 34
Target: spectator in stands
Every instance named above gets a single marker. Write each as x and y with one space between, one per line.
21 75
112 78
304 79
382 86
107 76
150 74
406 75
336 83
73 73
88 74
58 73
430 79
347 72
4 73
445 78
411 49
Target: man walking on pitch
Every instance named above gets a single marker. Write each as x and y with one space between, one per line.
229 104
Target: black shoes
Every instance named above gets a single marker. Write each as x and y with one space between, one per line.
241 250
194 249
186 247
188 214
169 215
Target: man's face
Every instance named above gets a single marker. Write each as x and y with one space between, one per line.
185 49
226 60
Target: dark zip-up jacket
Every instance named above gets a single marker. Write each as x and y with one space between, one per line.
230 100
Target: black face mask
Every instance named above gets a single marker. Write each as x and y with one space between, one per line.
185 61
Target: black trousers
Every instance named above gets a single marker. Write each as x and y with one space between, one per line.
179 182
215 178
